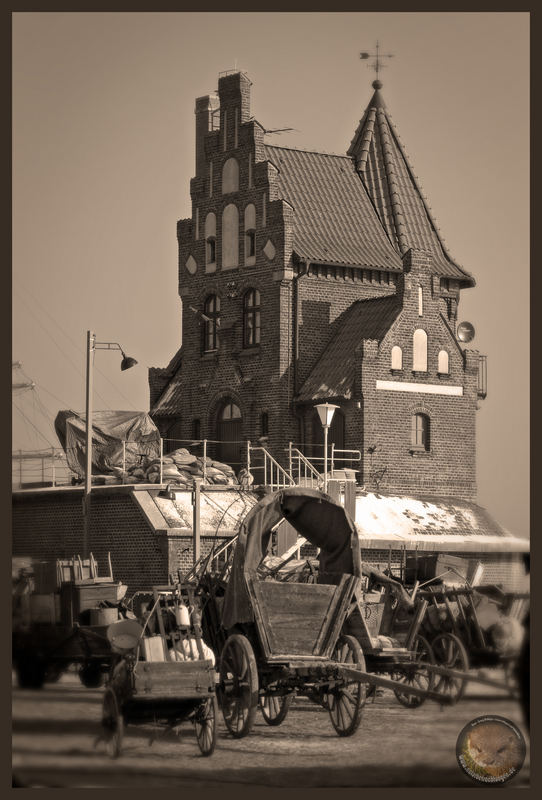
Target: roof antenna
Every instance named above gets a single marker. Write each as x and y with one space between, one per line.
377 64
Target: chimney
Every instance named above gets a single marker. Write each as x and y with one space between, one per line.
204 123
234 94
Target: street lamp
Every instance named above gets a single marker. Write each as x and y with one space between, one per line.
325 412
126 363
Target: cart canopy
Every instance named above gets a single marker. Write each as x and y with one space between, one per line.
314 515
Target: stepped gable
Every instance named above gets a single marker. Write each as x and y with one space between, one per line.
386 174
334 374
334 220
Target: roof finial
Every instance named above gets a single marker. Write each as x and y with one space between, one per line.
377 64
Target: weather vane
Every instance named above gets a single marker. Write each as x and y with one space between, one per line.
376 65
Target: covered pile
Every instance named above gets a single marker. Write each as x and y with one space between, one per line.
180 468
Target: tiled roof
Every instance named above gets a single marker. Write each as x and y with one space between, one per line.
334 221
395 192
333 375
167 381
432 523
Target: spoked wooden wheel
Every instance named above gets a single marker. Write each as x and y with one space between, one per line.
346 699
205 723
274 707
238 686
112 724
417 677
450 652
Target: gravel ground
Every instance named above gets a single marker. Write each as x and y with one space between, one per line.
55 733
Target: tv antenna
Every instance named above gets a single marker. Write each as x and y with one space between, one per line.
377 65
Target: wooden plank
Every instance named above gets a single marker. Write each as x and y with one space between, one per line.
345 590
158 612
262 619
291 615
323 634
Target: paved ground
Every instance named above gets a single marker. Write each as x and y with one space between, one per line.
55 732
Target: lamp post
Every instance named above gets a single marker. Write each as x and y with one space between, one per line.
325 412
126 363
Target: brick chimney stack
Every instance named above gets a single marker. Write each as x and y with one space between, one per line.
234 94
205 106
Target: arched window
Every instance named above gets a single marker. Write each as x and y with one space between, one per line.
251 318
210 242
211 323
419 358
264 423
443 363
230 176
250 234
196 429
230 411
420 431
396 357
230 237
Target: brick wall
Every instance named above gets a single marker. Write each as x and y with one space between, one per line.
50 526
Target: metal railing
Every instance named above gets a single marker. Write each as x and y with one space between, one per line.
271 472
301 469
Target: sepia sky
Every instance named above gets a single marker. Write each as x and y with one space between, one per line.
103 152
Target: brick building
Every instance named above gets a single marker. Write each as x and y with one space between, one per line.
307 277
304 277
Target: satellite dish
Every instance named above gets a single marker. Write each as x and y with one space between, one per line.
465 332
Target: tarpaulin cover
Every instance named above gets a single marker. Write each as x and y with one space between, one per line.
322 521
109 430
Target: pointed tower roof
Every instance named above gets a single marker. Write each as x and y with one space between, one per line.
390 182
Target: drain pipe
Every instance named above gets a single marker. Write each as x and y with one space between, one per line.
304 268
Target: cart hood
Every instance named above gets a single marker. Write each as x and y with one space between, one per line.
315 516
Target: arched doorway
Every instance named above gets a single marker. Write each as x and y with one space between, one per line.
335 435
229 426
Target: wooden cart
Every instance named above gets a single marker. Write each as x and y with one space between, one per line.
148 684
289 638
458 641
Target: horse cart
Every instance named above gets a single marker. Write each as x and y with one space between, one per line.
281 639
461 642
163 672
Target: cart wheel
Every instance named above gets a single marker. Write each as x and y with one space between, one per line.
346 700
274 707
238 686
91 675
418 678
450 652
112 724
205 722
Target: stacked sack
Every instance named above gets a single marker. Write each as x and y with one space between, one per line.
180 468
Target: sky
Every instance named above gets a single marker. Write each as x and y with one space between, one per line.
103 152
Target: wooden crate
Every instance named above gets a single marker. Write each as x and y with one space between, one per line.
180 679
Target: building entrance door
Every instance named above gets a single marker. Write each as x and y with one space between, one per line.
229 435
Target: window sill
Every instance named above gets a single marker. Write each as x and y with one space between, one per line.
443 375
418 373
210 267
417 451
397 371
210 355
247 352
250 261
